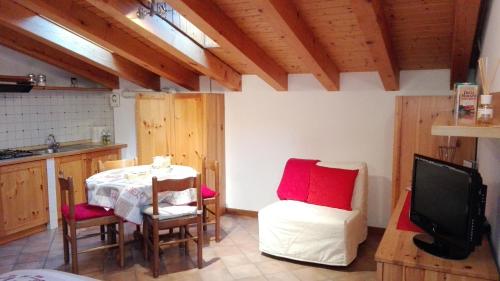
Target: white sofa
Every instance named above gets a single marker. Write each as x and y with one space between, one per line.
317 234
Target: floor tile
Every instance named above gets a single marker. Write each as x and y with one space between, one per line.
30 265
257 278
282 276
310 274
235 260
5 268
8 260
217 275
236 257
270 267
244 271
32 257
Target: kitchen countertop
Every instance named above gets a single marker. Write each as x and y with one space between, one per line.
66 150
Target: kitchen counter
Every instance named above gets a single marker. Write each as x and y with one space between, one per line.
33 180
65 150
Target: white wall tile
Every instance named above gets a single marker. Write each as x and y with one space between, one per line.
27 119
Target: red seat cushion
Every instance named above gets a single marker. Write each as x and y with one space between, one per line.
85 211
294 184
207 192
331 187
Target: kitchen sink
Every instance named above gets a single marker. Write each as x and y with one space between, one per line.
67 148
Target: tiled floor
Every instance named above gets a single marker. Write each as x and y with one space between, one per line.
236 257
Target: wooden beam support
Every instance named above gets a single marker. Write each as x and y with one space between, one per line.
162 35
464 31
210 19
283 15
28 23
26 45
82 21
371 19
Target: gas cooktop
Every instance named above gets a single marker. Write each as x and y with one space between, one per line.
11 153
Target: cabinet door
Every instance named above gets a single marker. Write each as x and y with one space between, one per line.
23 196
72 166
154 126
189 134
94 158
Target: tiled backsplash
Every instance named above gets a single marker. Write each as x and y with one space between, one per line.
26 119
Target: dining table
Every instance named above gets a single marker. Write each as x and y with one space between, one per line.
129 190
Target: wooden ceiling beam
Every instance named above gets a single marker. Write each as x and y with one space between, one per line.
210 19
30 24
26 45
82 21
371 19
164 36
464 31
283 15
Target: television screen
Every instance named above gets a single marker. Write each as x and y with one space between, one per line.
448 203
442 195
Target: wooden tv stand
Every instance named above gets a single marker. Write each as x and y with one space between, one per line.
399 259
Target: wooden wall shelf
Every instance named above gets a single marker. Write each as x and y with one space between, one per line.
76 89
446 127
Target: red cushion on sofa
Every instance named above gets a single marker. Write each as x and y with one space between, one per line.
294 184
207 192
331 187
85 211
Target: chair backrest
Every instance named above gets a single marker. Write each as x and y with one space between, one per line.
209 169
360 194
176 185
67 194
115 164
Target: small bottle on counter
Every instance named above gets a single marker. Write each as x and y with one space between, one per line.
106 137
485 110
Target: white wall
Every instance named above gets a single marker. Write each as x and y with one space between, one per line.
488 152
26 119
124 120
264 128
15 63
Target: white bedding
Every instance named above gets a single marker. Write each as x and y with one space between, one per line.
311 233
42 275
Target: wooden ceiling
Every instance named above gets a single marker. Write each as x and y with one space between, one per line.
270 38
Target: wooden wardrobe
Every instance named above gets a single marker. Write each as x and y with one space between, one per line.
186 126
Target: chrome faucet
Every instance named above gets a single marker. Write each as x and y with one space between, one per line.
51 143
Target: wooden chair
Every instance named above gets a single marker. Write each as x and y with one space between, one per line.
84 216
115 164
210 196
165 217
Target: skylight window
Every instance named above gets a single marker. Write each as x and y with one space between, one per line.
174 18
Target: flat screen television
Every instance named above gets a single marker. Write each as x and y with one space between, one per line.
448 204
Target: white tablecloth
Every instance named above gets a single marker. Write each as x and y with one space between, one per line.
128 190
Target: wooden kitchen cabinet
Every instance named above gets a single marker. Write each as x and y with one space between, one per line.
23 198
186 126
80 167
24 207
72 166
